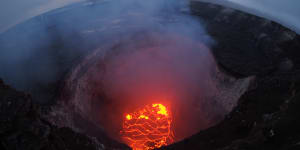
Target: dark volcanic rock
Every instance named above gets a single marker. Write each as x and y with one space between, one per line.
22 127
243 39
267 115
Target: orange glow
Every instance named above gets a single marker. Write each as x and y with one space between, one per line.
128 117
162 109
148 128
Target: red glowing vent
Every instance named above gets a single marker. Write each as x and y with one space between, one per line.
148 128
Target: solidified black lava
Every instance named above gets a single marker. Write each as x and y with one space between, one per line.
266 117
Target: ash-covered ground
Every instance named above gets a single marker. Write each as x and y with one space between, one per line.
266 116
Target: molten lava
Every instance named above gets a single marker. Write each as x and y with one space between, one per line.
148 128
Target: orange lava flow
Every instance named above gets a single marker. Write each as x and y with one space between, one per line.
148 128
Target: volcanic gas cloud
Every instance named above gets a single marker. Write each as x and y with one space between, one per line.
174 73
152 81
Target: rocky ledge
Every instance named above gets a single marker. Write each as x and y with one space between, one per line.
23 128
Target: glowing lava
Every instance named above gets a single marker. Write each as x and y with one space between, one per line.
148 128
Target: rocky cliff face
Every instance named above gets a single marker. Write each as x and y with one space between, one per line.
23 128
267 116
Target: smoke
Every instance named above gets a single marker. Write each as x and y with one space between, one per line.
154 52
118 55
165 48
176 71
36 54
